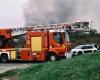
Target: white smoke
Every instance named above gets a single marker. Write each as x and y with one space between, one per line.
60 11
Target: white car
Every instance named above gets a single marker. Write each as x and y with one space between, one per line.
81 49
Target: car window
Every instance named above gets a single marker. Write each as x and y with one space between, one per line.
87 47
78 47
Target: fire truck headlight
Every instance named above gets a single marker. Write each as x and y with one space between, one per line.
63 46
50 46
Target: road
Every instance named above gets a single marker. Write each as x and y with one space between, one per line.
9 66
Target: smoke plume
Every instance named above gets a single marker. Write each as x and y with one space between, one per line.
60 11
49 11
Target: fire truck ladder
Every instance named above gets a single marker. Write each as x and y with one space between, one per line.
64 26
23 30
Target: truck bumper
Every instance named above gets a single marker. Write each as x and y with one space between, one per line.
68 55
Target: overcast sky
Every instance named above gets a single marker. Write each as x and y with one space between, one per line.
12 11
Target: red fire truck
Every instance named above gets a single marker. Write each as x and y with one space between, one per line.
42 43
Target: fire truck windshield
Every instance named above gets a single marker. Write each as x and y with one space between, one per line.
58 37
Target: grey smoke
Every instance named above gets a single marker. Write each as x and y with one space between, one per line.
61 11
89 10
49 11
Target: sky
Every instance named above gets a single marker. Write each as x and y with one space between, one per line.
11 12
21 12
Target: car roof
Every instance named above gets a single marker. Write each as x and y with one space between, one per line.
80 46
85 45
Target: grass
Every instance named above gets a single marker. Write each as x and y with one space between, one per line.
83 67
9 73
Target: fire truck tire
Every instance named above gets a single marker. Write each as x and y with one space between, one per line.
52 57
4 57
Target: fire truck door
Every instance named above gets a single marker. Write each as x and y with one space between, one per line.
36 43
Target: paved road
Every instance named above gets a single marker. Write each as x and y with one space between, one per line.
8 66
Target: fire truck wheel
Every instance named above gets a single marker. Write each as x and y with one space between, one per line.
52 57
4 58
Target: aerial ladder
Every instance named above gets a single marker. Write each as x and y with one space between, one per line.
74 27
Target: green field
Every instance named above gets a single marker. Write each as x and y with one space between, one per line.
83 67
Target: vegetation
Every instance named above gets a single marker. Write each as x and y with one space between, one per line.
83 67
9 73
79 38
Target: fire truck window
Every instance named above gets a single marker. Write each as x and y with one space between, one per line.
58 37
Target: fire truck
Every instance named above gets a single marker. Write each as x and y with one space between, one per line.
43 43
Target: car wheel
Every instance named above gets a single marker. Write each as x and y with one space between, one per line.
94 51
79 53
73 55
